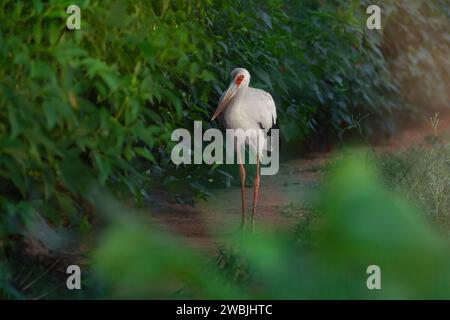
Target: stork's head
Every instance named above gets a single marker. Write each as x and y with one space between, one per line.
240 78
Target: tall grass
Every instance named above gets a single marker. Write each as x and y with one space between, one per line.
422 175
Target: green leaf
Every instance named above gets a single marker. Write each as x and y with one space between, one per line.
145 153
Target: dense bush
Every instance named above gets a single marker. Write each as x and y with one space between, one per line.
319 61
84 106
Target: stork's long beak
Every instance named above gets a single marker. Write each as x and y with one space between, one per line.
229 94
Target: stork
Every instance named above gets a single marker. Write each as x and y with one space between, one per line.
244 107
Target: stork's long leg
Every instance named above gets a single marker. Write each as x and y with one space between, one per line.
242 176
255 191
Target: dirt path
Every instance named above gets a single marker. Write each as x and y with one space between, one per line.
293 184
222 212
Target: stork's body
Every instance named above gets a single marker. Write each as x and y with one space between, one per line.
243 107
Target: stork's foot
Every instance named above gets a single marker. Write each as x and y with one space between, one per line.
246 227
242 227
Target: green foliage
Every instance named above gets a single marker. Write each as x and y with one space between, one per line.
316 58
7 290
133 260
94 104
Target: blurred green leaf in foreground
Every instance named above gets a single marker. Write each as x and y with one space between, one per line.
360 224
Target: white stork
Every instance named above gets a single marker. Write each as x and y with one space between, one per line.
244 107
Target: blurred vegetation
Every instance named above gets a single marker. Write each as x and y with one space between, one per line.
416 47
96 106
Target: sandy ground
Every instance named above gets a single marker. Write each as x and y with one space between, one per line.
201 225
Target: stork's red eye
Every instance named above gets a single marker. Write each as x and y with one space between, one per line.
239 79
